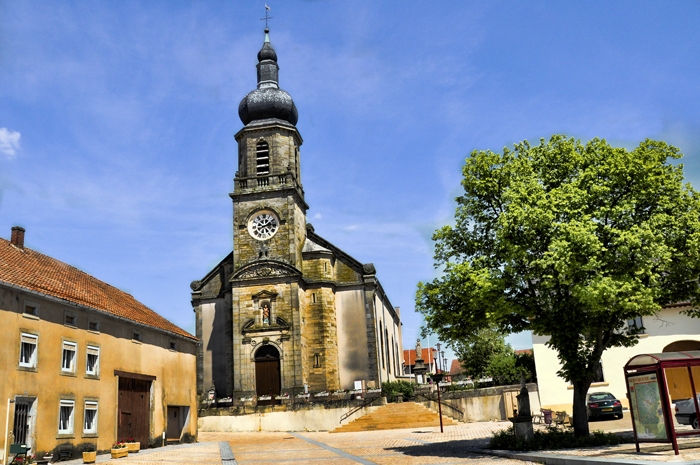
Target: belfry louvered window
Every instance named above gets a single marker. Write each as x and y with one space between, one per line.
262 160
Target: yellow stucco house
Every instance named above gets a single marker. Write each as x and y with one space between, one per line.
668 331
84 363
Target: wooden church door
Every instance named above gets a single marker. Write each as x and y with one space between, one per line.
267 374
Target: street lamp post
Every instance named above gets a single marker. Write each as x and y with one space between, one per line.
438 352
438 378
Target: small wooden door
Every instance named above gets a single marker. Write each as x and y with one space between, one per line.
134 410
174 423
267 374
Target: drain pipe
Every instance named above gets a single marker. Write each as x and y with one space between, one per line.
7 427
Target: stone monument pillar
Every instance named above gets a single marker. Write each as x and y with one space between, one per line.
522 422
419 368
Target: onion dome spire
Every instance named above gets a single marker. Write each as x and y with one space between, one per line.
268 101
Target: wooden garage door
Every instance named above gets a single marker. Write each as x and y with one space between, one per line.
134 410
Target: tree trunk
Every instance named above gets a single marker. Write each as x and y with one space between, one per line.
579 408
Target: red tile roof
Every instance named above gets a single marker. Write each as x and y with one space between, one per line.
35 271
409 356
455 368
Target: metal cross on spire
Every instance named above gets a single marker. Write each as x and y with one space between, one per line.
267 17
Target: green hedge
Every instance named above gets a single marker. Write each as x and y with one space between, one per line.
553 438
391 388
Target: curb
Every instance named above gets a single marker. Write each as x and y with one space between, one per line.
563 459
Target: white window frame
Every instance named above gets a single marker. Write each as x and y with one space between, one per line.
69 346
90 405
92 350
33 339
68 426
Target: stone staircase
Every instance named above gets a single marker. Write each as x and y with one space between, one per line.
396 416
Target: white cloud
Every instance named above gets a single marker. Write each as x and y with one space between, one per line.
318 216
9 142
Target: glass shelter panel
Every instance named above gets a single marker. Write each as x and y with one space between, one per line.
678 382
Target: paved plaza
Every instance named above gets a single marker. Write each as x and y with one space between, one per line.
462 444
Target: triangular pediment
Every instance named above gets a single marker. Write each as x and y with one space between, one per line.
264 294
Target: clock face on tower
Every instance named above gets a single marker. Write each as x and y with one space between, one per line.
263 225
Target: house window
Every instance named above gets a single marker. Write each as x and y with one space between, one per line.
65 417
90 425
31 309
173 345
317 360
93 325
635 325
68 360
92 364
136 336
262 159
69 319
27 350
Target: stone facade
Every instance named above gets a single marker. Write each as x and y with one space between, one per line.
286 309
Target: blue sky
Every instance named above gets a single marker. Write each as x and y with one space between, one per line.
117 119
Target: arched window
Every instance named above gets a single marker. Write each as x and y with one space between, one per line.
381 343
262 158
388 351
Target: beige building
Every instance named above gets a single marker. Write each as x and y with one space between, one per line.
85 363
287 311
669 331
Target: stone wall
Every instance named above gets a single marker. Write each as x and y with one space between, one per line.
305 417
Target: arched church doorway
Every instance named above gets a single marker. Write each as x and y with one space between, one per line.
267 373
682 346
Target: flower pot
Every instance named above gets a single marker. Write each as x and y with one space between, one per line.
119 453
133 447
89 457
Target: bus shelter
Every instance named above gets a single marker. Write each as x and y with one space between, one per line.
654 382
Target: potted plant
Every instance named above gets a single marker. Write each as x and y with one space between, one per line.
119 450
132 445
89 453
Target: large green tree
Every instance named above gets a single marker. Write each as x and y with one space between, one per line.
568 240
476 352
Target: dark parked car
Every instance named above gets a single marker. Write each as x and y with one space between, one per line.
603 404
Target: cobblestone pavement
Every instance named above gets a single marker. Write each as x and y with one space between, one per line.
457 445
202 453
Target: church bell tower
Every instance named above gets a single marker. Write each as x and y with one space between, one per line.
286 312
269 233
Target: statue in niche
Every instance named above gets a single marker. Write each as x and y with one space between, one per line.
265 312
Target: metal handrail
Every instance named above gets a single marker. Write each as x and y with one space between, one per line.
346 415
460 411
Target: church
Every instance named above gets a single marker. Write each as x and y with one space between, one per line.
286 312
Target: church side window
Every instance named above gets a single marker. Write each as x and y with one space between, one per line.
262 160
388 351
381 343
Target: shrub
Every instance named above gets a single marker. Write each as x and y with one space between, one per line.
553 438
391 388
